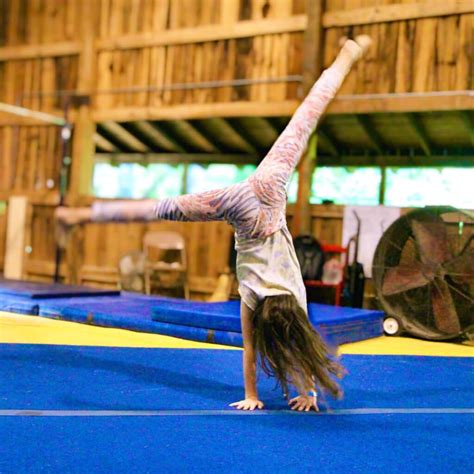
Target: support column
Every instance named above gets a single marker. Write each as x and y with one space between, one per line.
312 67
302 216
83 142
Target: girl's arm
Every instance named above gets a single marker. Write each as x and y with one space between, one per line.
249 361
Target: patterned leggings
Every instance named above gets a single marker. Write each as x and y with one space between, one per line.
255 207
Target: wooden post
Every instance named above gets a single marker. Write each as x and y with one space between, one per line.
83 146
83 143
383 185
17 224
302 214
312 66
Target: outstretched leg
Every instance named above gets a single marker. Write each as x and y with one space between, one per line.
205 206
271 178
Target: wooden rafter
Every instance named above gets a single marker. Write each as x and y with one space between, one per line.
123 136
372 135
223 130
258 130
157 136
420 133
186 133
104 144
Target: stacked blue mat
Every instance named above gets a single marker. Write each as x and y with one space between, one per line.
205 322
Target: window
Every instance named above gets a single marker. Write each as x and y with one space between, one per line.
134 181
358 186
418 187
405 187
214 176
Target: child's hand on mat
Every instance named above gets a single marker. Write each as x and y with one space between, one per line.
304 403
248 404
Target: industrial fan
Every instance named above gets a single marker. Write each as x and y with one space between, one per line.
423 272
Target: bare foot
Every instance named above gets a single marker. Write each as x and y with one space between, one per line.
71 216
357 47
364 41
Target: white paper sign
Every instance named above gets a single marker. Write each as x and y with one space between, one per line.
374 221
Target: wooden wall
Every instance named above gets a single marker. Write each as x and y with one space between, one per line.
412 55
47 46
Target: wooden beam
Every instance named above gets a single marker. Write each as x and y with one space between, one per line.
420 133
402 102
312 67
349 104
34 51
36 115
123 136
83 147
396 12
175 158
104 144
313 40
156 136
200 34
198 111
372 135
10 120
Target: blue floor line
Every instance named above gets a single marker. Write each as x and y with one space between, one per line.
346 412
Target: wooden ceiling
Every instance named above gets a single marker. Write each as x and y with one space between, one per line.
443 138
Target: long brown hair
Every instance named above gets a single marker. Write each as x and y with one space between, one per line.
290 349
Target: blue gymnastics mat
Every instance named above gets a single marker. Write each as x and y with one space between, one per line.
205 322
99 409
33 290
338 324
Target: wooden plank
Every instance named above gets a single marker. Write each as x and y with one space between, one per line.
202 34
66 48
424 53
15 244
464 63
396 12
